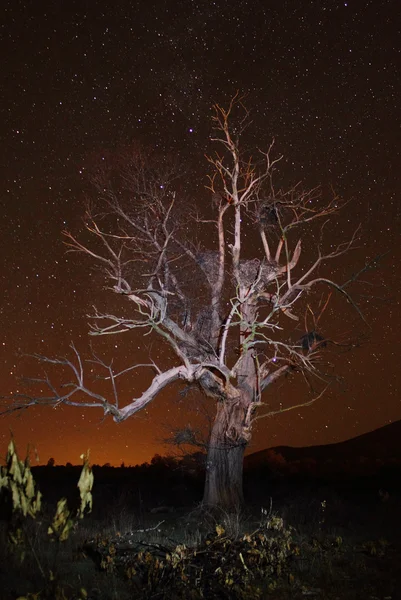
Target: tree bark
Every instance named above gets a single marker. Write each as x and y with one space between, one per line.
225 457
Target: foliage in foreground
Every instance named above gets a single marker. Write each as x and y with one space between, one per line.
16 478
224 564
220 567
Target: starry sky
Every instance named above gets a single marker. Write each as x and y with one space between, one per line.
82 78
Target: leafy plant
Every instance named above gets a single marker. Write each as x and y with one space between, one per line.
16 478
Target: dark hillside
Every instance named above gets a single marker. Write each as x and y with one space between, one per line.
382 445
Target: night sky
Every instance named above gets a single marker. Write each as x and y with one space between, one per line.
79 79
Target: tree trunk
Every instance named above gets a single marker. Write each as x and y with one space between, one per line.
225 457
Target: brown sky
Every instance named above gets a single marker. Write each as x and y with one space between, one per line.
79 80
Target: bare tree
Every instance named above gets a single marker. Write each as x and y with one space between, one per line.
223 303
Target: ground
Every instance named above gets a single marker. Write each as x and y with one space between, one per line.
340 542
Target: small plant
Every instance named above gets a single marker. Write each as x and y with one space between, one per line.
64 521
16 478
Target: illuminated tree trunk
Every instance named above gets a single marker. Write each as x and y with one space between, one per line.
225 457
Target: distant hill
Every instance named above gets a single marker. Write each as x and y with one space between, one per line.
382 444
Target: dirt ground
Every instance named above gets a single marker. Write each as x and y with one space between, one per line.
343 546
